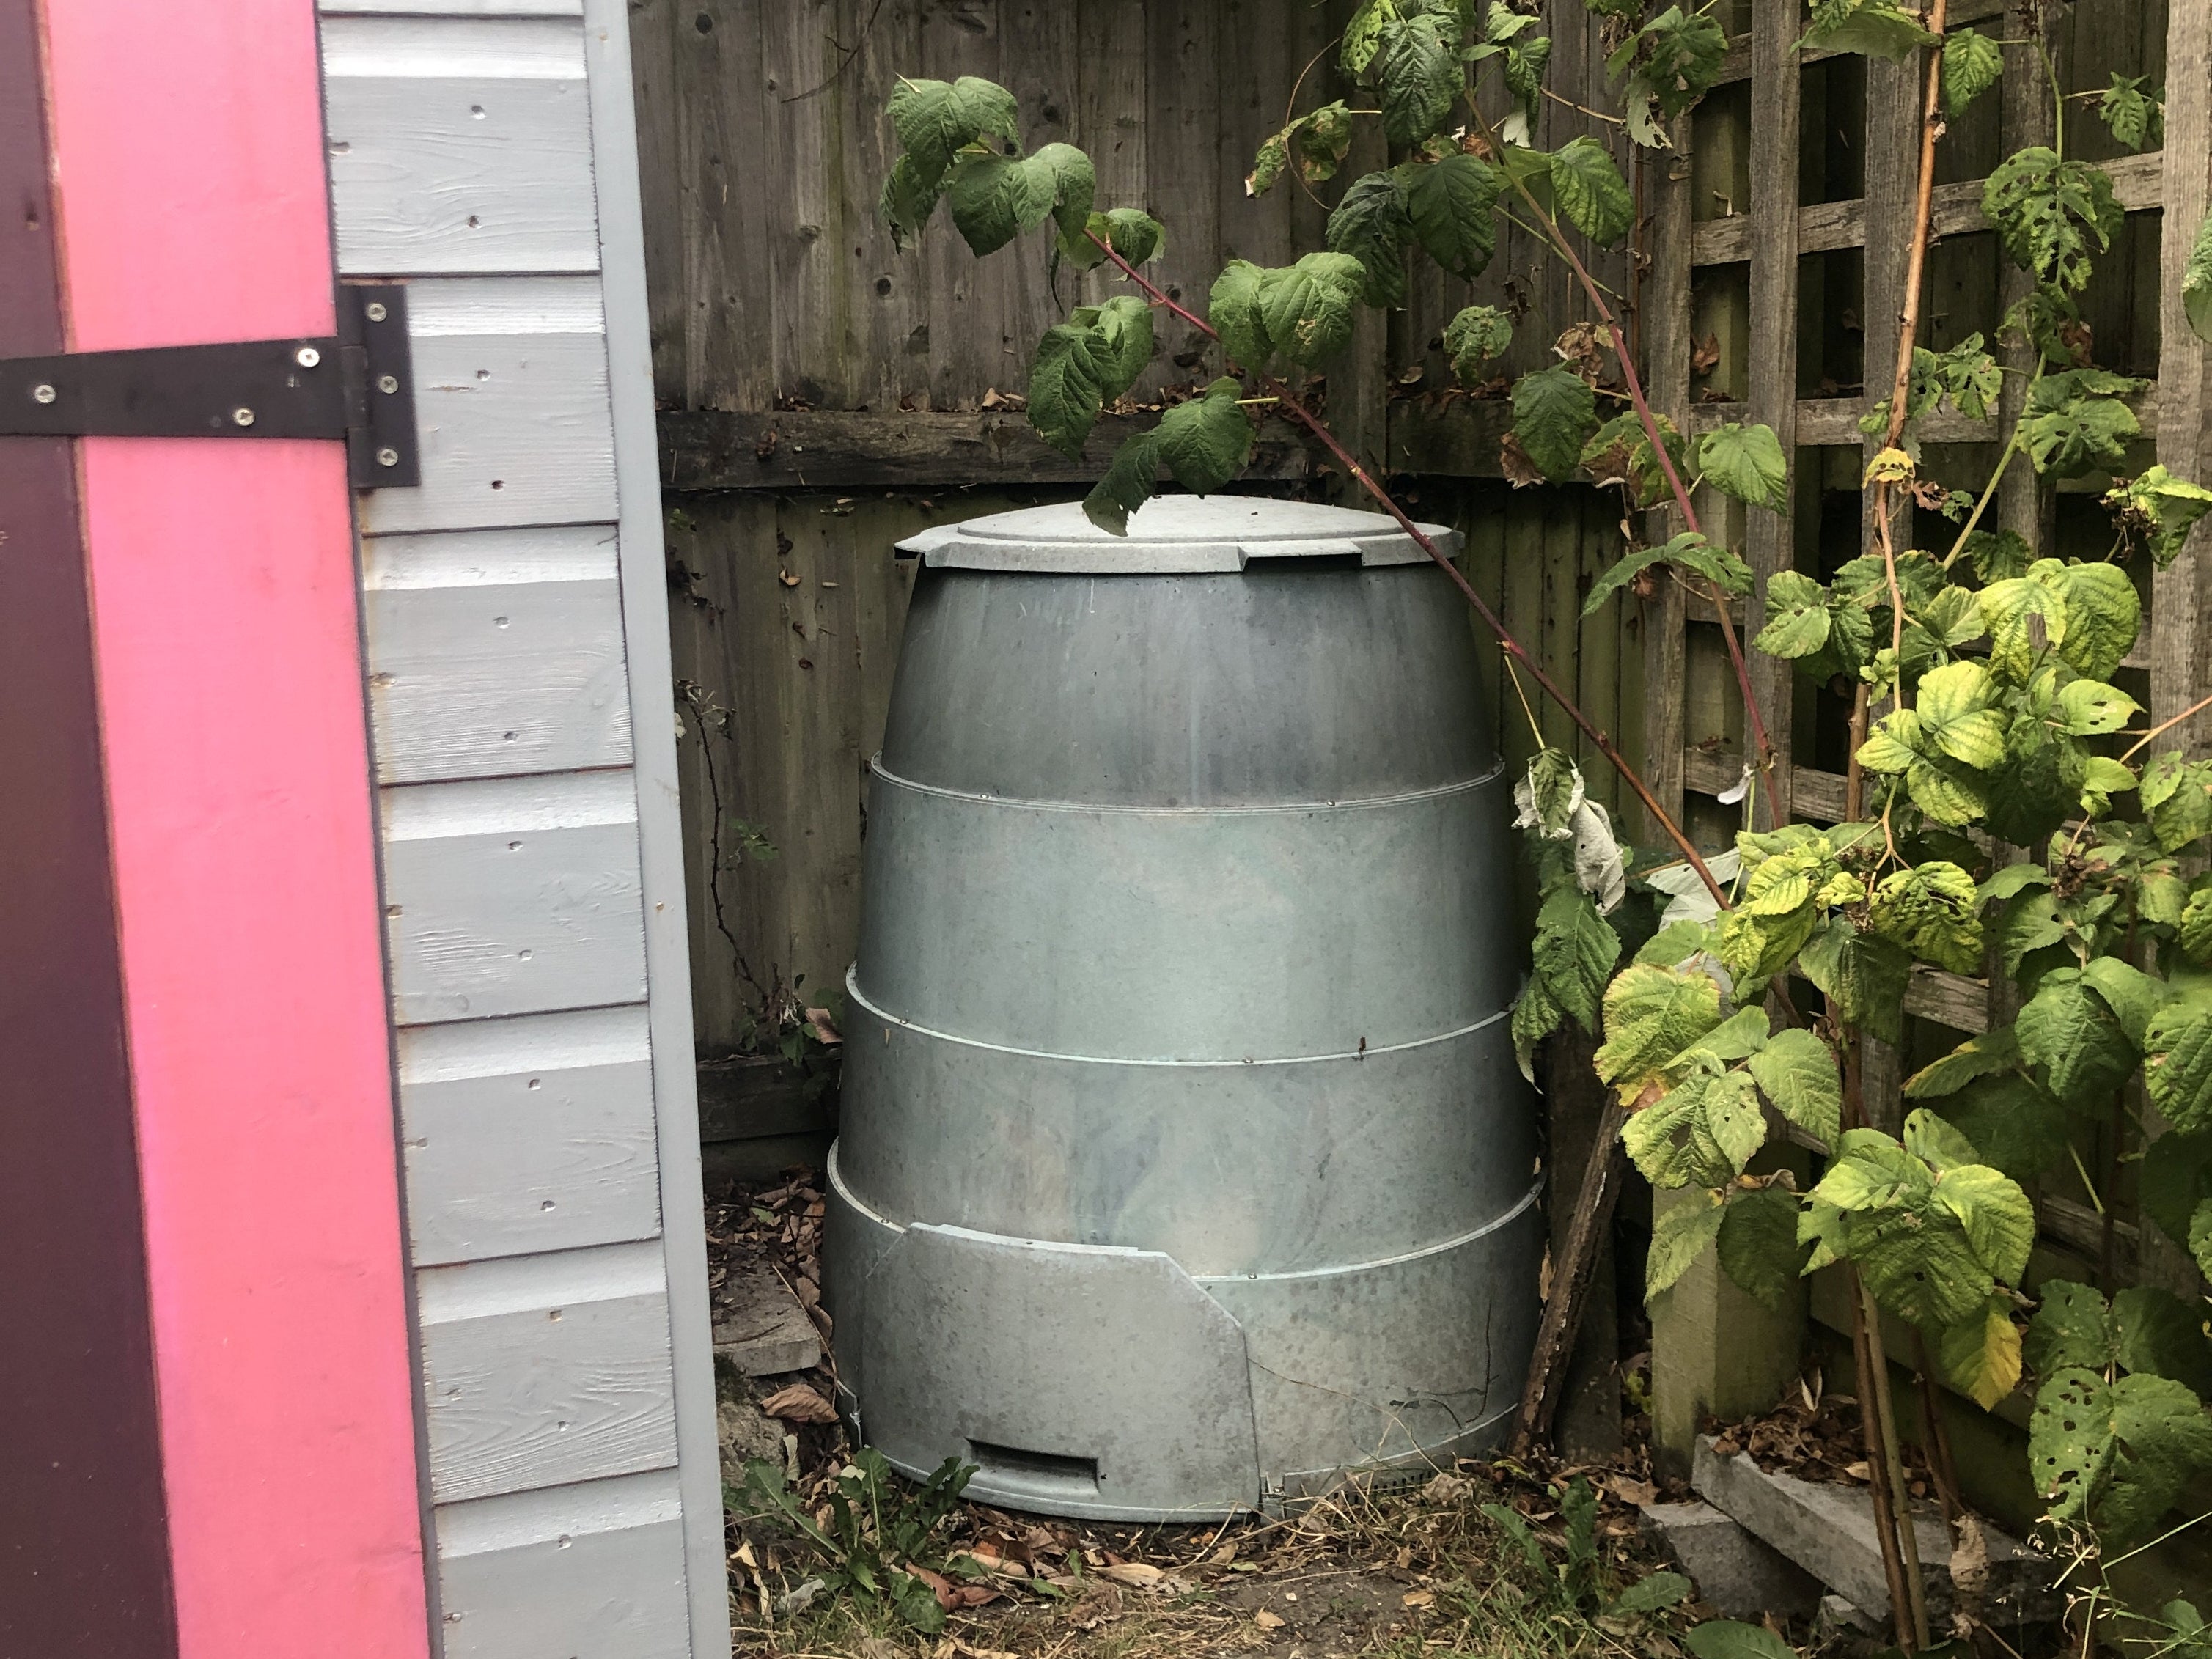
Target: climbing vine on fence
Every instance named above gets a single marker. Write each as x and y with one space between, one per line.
1985 717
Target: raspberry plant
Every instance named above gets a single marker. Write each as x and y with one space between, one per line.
1984 716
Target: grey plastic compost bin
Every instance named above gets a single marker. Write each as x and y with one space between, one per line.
1184 1165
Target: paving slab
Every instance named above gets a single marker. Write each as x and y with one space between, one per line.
760 1329
1739 1574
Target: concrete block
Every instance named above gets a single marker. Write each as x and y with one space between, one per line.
1836 1616
760 1329
1740 1575
1829 1531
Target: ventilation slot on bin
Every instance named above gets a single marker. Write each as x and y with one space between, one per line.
1258 564
1042 1471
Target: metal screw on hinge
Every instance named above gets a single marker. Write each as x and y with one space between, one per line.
376 312
387 383
306 356
42 393
387 458
242 416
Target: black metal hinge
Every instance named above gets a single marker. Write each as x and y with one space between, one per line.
357 386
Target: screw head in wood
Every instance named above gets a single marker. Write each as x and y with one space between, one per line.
306 356
42 393
241 416
387 383
376 312
387 458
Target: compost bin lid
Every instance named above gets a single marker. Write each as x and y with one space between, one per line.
1173 534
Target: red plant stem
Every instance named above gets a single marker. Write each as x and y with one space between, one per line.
1511 646
1762 748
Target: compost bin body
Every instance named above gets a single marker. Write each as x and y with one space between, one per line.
1183 1163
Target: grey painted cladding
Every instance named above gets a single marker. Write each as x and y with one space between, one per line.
517 656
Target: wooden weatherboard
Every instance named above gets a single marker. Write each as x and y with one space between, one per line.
516 639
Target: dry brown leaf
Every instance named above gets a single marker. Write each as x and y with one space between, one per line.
1418 1598
1099 1604
1520 471
826 1029
1138 1575
798 1404
1266 1620
967 1652
1628 1491
1970 1562
1704 353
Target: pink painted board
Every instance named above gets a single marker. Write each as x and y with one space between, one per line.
192 206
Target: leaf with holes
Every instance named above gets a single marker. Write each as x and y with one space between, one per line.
1972 64
2047 210
2134 118
2074 426
1307 307
1450 204
1875 28
1933 910
2116 1454
1362 36
1477 336
2089 708
2178 1063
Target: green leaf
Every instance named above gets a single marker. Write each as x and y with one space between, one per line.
1870 1171
2178 1063
1448 203
1933 910
2067 1028
1956 715
1746 462
1981 1353
1362 36
1759 1247
1919 1264
1478 334
1307 307
1127 485
1796 616
1650 1593
2200 1238
1420 77
1690 549
2090 708
1671 1142
2177 798
994 198
1798 1072
1591 193
2009 607
1553 789
1680 1233
1669 64
1972 64
2017 1124
2045 211
2116 1454
1070 183
1066 384
2197 927
2133 117
2197 281
1651 1014
1979 1056
1575 952
1874 27
1537 1015
934 121
1233 308
1999 555
1997 1216
2160 508
907 201
1372 224
2071 428
1725 1639
2133 996
1124 327
1204 442
1936 1143
1553 411
2038 788
2157 1335
2072 1327
1862 974
1132 234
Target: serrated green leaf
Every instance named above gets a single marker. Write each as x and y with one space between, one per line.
2197 927
1798 1072
1668 64
1862 975
1591 193
2160 507
1876 28
1956 716
1307 307
2038 785
1759 1247
1650 1593
1992 1051
1746 462
2068 430
1123 324
2115 1454
1419 67
1870 1171
2072 1327
1066 383
1069 183
2047 210
2197 281
1680 1233
1651 1014
2177 797
2017 1126
1449 205
1553 411
1998 554
1372 224
2135 117
1204 442
2090 708
2200 1238
1972 64
1934 911
1575 952
1132 233
1127 485
907 201
934 121
2011 608
1980 1354
1917 1263
2178 1063
1233 308
1477 336
1537 1015
1796 616
1937 1143
2067 1028
1670 1144
1362 36
2133 996
993 198
1726 1638
1998 1218
2157 1333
